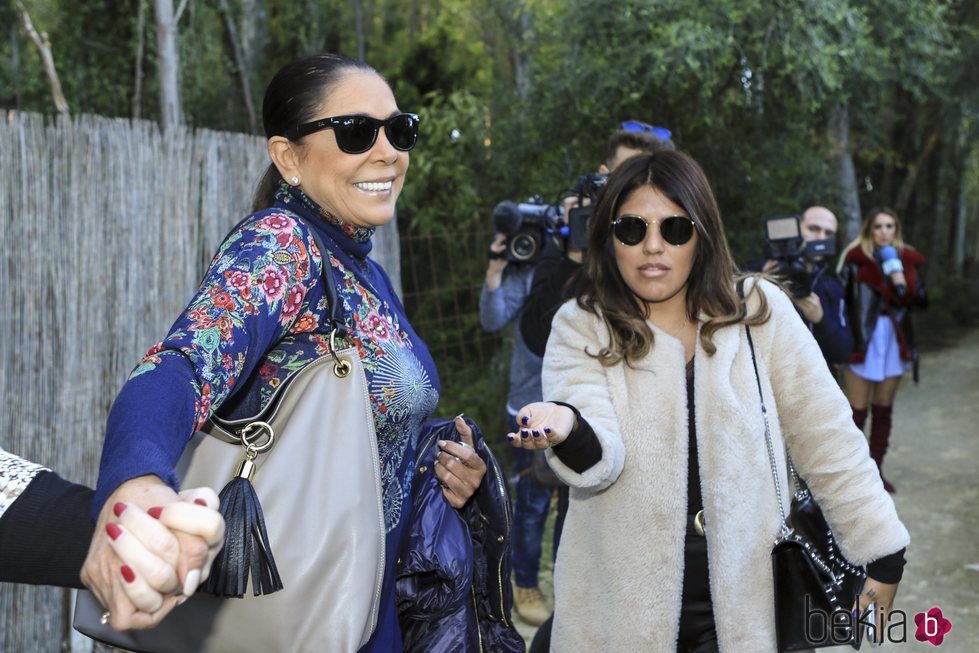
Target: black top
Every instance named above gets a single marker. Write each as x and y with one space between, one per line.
695 502
552 286
45 533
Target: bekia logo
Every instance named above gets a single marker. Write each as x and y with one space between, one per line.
932 626
843 627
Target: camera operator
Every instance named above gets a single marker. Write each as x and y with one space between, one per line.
549 289
822 308
522 238
553 282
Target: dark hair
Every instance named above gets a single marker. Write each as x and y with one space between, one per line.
711 287
635 140
292 98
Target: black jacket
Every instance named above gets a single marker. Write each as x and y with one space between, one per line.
870 295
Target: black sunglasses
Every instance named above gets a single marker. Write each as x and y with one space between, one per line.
676 229
357 134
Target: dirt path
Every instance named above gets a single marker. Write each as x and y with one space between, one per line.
934 462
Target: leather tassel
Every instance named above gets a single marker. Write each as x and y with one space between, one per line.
246 543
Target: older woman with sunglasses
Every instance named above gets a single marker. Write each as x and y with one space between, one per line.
657 426
339 145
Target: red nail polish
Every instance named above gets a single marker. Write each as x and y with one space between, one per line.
119 508
155 512
200 502
128 574
113 530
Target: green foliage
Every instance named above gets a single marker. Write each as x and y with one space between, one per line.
519 96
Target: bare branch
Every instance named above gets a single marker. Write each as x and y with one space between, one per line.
44 47
246 88
180 11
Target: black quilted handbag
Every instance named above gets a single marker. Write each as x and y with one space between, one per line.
815 586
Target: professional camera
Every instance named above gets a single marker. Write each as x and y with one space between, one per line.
784 243
588 186
527 226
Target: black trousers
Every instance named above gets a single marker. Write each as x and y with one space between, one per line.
698 633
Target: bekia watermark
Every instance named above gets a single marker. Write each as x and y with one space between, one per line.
843 626
932 626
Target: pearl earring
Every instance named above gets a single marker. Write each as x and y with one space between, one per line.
295 180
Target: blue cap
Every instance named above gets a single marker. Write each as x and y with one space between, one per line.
661 133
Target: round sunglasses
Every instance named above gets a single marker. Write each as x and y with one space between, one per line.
357 134
630 230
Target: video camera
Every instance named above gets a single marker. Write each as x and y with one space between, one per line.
526 225
588 186
784 243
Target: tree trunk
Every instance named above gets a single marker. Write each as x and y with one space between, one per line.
140 50
958 247
521 59
171 109
243 72
359 30
907 186
839 139
15 64
44 47
254 32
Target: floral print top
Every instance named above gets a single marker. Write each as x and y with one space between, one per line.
258 317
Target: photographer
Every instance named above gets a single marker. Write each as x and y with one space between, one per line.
553 273
517 246
822 307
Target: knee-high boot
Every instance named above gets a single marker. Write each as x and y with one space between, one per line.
859 417
880 433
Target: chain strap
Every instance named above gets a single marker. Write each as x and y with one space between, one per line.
785 530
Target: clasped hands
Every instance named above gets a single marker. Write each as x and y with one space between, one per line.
151 549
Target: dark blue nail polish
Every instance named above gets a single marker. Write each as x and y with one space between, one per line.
524 433
536 434
525 420
509 437
547 429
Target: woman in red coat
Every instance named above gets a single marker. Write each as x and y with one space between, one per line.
882 283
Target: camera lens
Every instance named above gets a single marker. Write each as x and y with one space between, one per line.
523 247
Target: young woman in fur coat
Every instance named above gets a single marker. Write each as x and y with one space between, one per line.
656 425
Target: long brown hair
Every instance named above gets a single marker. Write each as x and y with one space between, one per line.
711 287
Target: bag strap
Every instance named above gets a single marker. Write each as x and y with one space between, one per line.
768 431
335 318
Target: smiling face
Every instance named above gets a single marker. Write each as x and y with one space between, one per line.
361 189
654 270
883 230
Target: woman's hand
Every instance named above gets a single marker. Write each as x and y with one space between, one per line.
140 578
542 425
458 467
882 596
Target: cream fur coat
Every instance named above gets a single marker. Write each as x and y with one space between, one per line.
619 570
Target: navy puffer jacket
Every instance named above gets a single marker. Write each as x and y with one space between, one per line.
453 588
